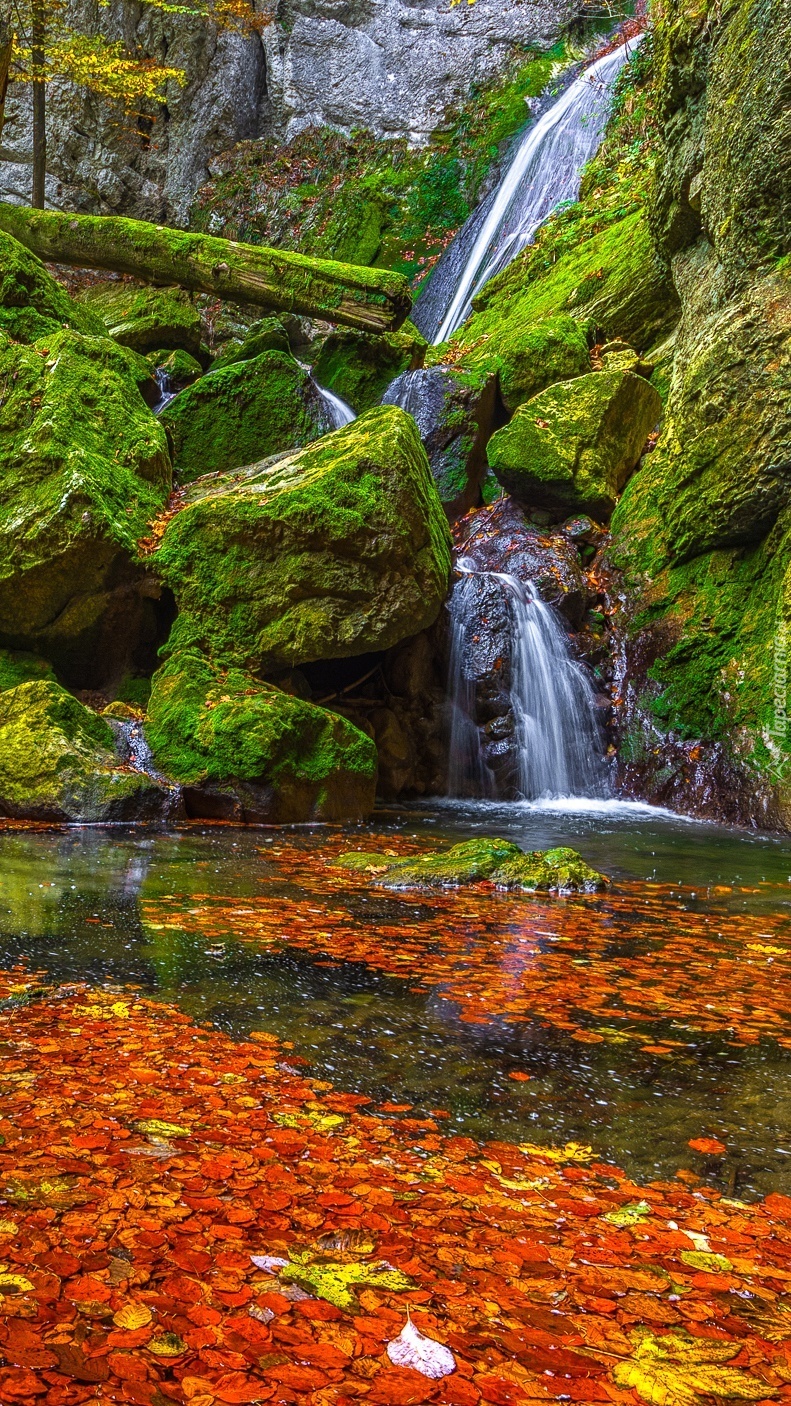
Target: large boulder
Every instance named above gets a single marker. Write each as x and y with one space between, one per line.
500 862
242 413
146 319
83 467
337 550
58 762
454 411
244 751
32 303
572 448
359 367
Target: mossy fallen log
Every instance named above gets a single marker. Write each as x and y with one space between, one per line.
373 300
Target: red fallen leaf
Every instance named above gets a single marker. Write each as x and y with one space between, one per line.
500 1391
298 1378
778 1205
127 1367
72 1362
709 1146
60 1262
238 1387
323 1355
401 1386
519 1076
20 1385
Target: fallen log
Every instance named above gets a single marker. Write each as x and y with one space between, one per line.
372 300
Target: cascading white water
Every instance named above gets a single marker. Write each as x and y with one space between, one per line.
557 736
338 412
545 172
166 391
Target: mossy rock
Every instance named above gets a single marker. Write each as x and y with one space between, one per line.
32 303
146 319
243 413
17 667
499 861
337 550
454 409
180 368
57 762
268 334
83 467
359 367
246 751
571 448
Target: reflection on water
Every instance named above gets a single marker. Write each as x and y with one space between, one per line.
439 1000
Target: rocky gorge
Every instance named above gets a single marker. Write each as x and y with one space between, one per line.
217 601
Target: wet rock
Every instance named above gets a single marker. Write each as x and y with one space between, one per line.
84 467
454 412
242 750
241 414
178 366
572 448
337 550
359 367
58 763
499 861
146 319
503 538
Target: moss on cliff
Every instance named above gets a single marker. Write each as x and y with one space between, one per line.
243 413
225 736
337 550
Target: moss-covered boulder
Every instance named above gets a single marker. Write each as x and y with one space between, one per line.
83 467
244 751
359 367
340 549
572 448
57 762
243 413
178 366
267 334
499 861
146 319
32 303
18 667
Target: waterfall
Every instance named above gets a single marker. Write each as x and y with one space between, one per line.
544 172
338 412
556 734
166 391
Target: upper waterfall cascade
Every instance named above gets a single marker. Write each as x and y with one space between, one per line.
544 173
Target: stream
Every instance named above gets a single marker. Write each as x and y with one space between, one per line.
643 1018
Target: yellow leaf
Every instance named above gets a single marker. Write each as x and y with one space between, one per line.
572 1152
167 1345
132 1317
8 1227
155 1127
14 1284
711 1264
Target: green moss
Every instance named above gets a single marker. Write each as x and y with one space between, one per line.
499 861
83 468
16 667
57 760
284 758
268 334
571 448
359 367
182 368
32 304
337 550
242 413
146 319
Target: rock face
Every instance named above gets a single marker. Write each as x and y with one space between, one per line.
383 64
57 762
244 751
701 550
340 549
84 467
454 412
572 448
242 413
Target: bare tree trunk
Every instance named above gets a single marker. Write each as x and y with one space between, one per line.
373 300
6 54
38 34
